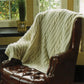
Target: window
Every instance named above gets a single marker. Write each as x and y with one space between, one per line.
9 10
9 13
49 4
42 5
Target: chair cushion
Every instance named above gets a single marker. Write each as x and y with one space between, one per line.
33 75
23 75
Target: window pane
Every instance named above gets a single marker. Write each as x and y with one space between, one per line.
49 4
9 10
4 10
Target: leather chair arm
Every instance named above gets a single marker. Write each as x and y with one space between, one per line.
60 58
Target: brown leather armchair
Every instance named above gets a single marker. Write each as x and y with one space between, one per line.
61 69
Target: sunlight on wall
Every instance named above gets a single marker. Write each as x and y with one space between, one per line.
81 10
80 60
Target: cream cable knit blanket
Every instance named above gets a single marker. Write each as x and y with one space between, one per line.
49 35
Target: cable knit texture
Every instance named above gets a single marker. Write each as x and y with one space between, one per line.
49 35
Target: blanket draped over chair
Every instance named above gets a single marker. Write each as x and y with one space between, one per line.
49 35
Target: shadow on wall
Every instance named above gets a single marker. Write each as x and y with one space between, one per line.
79 73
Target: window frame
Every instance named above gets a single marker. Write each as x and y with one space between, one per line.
76 5
8 23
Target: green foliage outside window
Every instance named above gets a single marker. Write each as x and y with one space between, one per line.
14 10
9 10
49 4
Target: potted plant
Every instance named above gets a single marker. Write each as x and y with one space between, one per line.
21 5
22 14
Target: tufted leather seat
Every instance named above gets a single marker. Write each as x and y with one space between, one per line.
23 75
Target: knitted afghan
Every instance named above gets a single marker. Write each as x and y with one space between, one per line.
49 35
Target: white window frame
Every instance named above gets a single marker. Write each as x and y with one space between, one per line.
76 5
8 23
64 4
36 6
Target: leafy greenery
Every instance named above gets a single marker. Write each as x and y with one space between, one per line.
14 10
9 10
49 4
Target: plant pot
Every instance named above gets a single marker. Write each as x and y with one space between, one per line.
22 27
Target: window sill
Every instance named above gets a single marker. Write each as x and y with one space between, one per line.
10 32
8 23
